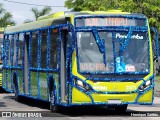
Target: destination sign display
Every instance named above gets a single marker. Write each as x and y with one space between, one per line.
109 21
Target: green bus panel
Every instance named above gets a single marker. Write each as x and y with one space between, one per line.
43 85
4 78
7 79
20 80
34 81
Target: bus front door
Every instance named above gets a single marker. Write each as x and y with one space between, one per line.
26 52
64 69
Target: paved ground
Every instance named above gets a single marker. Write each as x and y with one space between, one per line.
7 103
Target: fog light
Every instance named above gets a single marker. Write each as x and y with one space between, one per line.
142 87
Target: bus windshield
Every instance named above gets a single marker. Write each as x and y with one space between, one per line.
134 58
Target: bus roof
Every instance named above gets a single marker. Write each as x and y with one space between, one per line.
59 18
29 26
81 13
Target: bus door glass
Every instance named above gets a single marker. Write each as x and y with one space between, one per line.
26 55
65 69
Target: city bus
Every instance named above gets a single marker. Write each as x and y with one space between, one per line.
1 44
102 58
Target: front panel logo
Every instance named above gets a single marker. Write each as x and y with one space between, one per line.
100 87
118 35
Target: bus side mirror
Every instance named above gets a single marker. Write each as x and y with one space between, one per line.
155 44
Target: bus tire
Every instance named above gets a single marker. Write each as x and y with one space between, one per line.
121 108
53 105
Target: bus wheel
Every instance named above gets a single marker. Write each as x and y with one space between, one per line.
121 108
53 105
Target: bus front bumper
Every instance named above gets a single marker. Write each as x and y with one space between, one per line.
80 97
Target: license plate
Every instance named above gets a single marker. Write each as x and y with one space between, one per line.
114 102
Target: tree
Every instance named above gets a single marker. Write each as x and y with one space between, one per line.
93 5
148 7
37 13
5 17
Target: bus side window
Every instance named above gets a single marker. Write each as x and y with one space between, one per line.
44 48
54 48
14 49
34 47
8 48
4 50
20 48
67 36
1 45
69 39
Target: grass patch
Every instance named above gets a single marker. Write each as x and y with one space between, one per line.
157 86
157 77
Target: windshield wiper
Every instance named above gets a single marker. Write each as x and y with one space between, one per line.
101 43
126 42
118 60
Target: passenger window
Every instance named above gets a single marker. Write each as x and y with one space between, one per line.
8 50
14 49
54 35
20 48
34 48
44 48
5 51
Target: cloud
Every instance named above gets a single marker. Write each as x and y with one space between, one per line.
19 17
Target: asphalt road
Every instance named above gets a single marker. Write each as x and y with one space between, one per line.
29 106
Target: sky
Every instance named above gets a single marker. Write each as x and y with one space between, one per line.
22 12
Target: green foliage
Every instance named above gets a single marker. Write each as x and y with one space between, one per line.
37 13
151 8
5 17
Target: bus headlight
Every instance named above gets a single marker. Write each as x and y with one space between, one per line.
79 83
145 85
148 83
83 85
